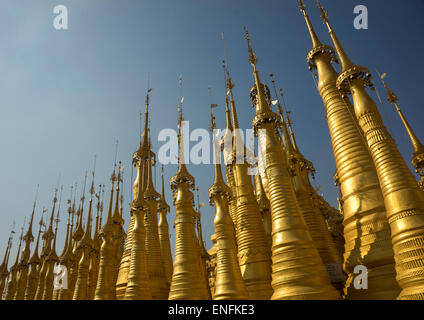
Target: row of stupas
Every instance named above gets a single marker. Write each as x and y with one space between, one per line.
275 236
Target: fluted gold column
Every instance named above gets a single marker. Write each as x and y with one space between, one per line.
402 196
122 280
229 284
93 269
226 148
138 280
67 259
418 154
155 267
11 284
253 253
297 269
3 267
163 230
22 277
366 231
264 208
105 288
305 194
45 251
51 260
187 282
85 245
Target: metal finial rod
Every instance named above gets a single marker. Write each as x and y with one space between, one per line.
391 96
302 6
252 58
60 202
116 153
324 14
83 189
36 195
225 52
92 191
225 77
180 104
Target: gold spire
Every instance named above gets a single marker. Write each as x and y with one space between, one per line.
187 277
34 262
262 105
292 245
345 62
315 41
418 155
163 230
182 175
105 288
250 234
52 259
12 283
155 266
85 245
356 168
402 196
68 224
226 149
3 267
45 252
79 231
162 204
228 281
348 69
24 266
28 236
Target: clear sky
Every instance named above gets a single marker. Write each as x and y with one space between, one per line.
66 95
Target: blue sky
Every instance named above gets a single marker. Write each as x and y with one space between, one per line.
67 95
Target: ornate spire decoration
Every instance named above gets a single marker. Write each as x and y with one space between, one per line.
105 288
250 234
418 154
85 245
264 208
52 259
229 283
65 251
155 268
118 222
22 276
402 196
308 279
12 283
69 259
3 267
133 279
34 263
227 150
203 253
187 279
163 229
93 269
358 183
48 236
138 157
